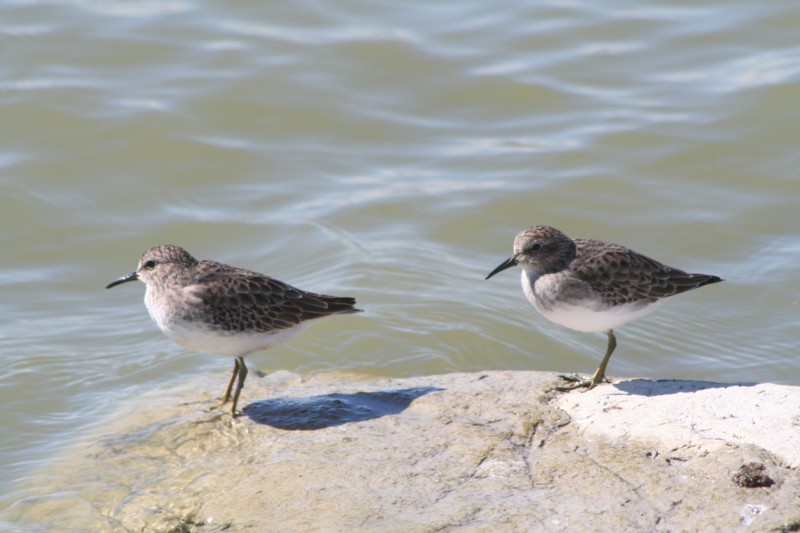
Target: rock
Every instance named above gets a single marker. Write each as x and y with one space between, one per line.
491 451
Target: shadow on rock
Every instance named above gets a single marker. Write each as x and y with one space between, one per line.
326 410
660 387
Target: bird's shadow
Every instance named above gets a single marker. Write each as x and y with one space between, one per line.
335 409
660 387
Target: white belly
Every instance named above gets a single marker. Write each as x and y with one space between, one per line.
225 343
587 315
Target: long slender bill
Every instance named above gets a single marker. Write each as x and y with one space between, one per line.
133 276
508 263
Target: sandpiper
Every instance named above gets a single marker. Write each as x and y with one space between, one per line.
223 310
592 286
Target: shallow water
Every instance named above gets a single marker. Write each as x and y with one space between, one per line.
388 153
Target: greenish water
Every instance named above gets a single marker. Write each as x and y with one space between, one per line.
389 152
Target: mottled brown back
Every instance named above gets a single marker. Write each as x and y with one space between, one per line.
620 275
239 300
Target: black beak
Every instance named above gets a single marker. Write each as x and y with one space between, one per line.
508 263
133 276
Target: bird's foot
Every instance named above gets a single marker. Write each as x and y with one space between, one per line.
577 381
222 403
215 408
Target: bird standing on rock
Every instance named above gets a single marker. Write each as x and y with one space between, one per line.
223 310
592 286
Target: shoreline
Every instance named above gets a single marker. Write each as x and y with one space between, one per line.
496 450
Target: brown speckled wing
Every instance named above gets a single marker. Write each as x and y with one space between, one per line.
620 275
241 300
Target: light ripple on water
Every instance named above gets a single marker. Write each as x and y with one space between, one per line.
139 9
317 36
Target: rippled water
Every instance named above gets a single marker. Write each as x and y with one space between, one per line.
389 152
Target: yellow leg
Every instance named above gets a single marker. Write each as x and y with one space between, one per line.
239 385
227 396
600 374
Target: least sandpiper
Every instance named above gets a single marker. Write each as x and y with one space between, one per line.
592 286
224 310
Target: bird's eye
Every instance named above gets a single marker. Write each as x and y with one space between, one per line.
536 247
150 265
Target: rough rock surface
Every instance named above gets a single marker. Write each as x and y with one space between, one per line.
491 451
